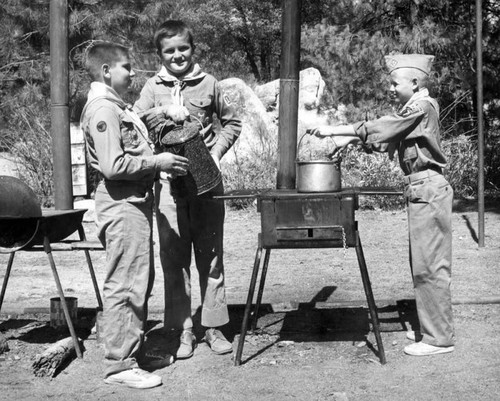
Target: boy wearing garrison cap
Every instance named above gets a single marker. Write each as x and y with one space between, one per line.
414 132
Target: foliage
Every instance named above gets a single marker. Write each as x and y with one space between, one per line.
31 144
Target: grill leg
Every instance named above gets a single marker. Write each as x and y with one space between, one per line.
6 278
369 297
248 306
48 251
91 267
261 289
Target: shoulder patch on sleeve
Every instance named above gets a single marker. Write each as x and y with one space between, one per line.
101 126
411 109
227 101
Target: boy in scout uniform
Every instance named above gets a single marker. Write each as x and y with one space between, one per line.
118 148
414 132
187 220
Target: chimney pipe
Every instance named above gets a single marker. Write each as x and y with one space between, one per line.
59 97
289 94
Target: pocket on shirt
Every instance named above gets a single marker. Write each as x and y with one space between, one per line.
199 108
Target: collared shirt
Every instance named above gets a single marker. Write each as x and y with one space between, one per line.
414 131
116 139
201 95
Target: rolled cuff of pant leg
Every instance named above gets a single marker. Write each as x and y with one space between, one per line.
113 367
215 317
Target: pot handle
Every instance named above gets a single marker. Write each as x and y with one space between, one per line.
308 132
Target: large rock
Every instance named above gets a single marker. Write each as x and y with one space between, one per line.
258 128
311 89
259 111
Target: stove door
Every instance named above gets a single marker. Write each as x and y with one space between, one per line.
308 223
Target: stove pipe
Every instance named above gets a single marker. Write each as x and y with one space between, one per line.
59 97
289 94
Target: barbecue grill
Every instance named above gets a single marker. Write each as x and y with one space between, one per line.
25 226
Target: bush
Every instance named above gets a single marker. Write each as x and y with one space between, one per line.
31 144
360 169
462 168
256 171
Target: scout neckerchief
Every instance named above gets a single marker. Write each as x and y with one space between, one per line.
176 90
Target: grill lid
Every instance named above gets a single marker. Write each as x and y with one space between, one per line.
17 200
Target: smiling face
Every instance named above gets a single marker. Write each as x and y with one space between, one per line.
176 54
403 85
119 74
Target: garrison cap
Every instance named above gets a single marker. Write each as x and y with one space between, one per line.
422 62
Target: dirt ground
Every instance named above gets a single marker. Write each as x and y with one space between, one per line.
313 338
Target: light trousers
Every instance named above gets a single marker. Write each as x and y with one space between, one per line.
429 199
124 215
191 223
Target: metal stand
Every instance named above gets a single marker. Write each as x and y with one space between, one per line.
366 285
48 248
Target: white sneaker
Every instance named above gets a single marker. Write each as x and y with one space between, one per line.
423 349
135 377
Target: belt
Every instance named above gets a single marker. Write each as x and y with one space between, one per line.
408 179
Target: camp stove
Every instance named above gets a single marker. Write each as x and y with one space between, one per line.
315 220
290 219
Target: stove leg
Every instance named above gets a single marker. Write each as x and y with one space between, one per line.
48 251
81 233
261 289
6 278
248 307
369 297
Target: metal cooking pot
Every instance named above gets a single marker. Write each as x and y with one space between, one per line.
318 176
321 173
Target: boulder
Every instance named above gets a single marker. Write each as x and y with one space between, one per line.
258 128
259 111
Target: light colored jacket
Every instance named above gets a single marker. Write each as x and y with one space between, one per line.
202 96
116 139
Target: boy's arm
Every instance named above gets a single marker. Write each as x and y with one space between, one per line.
231 124
114 163
376 133
343 134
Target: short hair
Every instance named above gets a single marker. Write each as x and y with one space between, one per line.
411 73
169 29
101 52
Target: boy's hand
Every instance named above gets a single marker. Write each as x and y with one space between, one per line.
172 164
176 113
322 130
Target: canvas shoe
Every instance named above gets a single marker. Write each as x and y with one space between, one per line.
135 378
217 342
413 335
423 349
187 345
